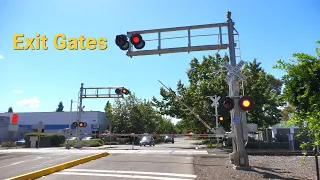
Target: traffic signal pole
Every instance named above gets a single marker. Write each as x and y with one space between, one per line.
100 92
239 155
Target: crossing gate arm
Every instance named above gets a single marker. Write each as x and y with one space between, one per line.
195 115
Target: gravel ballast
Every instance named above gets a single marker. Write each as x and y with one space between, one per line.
262 167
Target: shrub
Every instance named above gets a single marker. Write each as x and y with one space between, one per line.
46 139
8 144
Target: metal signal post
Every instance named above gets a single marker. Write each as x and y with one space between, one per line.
99 93
239 157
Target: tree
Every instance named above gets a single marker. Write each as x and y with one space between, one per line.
60 107
10 110
287 112
108 112
262 87
133 115
301 90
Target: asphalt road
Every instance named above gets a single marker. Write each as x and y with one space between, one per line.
161 158
14 164
127 166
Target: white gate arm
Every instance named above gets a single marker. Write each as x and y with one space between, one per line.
213 130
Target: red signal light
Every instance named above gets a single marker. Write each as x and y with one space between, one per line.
122 90
246 103
137 41
81 124
228 104
74 124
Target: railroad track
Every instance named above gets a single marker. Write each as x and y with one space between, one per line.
278 153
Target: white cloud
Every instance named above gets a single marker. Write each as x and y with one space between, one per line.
17 91
1 57
32 102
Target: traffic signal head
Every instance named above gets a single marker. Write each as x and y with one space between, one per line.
122 42
246 103
220 118
137 41
74 124
228 104
122 91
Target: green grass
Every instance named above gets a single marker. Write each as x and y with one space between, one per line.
190 139
213 146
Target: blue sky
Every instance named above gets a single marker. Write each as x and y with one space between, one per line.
269 30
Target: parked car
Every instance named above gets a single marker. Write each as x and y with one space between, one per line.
147 140
71 138
20 142
87 138
169 139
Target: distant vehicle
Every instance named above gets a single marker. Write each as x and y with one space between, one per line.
20 142
169 139
147 140
72 138
87 138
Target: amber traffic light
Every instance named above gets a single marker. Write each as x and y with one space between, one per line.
122 42
137 41
220 118
246 103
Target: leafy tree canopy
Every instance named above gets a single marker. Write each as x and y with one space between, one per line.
133 115
10 110
60 107
302 82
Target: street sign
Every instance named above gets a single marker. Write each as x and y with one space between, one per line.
96 126
14 119
13 127
236 120
40 126
235 70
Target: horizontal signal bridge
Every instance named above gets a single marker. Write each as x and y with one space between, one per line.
189 48
100 92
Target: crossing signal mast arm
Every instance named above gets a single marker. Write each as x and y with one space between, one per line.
195 114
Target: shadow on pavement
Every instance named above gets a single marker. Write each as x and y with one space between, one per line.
268 173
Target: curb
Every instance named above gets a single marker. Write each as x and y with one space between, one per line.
53 169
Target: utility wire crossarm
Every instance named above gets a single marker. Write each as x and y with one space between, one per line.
192 111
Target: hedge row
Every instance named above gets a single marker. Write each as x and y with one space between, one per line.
8 144
46 139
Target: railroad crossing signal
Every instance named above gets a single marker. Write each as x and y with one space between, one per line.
137 41
122 42
74 124
235 71
82 124
246 103
228 104
122 90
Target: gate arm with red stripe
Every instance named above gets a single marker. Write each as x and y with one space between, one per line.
195 114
